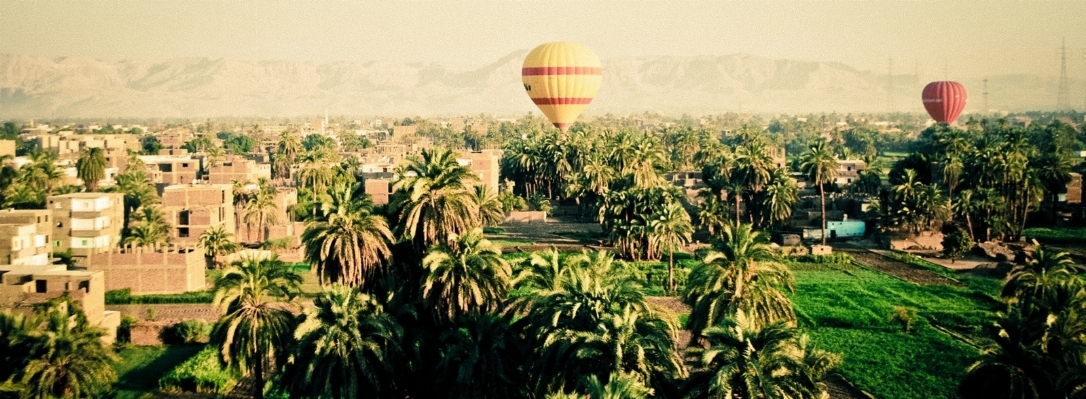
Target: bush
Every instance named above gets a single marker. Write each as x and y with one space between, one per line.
835 258
1056 235
905 317
187 332
202 373
493 230
125 297
124 330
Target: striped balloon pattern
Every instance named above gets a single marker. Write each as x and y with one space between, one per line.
562 78
944 100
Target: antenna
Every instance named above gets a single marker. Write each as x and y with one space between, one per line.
985 93
1062 94
890 84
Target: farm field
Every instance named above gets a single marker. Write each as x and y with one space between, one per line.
847 309
140 367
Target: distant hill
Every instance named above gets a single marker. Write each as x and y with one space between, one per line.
43 87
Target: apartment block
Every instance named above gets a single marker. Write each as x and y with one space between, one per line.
25 237
86 223
378 186
237 168
150 270
24 287
195 208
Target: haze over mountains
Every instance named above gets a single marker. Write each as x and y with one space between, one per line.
44 87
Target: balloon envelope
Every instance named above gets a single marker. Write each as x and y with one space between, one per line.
561 78
944 100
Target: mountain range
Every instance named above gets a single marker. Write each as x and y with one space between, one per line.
79 87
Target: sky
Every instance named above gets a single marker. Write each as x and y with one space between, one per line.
938 39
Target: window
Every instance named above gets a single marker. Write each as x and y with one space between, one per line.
183 232
184 165
85 286
41 286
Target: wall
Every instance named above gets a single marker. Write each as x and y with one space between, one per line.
150 270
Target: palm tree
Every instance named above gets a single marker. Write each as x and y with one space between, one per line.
432 198
69 359
91 167
260 211
483 348
594 322
780 195
1046 284
1013 365
348 347
285 154
347 242
17 339
743 274
744 361
820 167
217 242
465 275
670 229
255 329
711 212
20 195
150 228
491 212
42 172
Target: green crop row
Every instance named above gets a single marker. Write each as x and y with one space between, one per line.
125 297
1058 235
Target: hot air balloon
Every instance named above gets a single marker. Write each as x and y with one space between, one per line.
944 100
561 78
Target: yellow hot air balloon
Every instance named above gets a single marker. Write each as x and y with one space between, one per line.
562 78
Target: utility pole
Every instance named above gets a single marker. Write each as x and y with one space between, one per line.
890 85
1062 92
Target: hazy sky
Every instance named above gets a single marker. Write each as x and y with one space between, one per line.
972 38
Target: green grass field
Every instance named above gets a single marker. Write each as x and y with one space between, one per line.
846 309
140 367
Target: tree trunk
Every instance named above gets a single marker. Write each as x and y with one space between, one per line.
670 269
258 379
822 196
969 222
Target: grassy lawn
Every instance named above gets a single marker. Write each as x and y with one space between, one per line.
140 367
846 309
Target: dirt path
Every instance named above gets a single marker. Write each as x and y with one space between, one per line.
897 268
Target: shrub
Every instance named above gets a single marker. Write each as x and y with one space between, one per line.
956 243
187 332
202 373
835 258
905 317
124 330
493 230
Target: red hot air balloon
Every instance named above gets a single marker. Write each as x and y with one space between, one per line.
944 100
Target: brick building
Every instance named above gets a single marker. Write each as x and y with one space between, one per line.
236 168
86 223
148 270
195 208
168 170
23 287
485 164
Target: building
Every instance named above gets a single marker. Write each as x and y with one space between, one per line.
236 168
86 223
148 270
25 237
67 144
485 164
837 229
168 170
7 147
195 208
378 186
23 287
848 171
